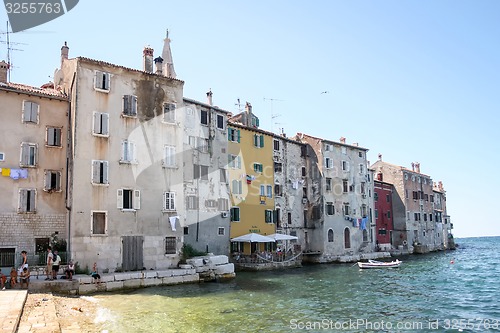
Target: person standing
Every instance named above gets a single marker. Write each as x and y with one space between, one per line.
25 278
55 265
24 262
50 260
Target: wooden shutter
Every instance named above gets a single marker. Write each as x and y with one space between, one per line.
22 200
133 101
238 135
48 179
31 197
172 200
97 123
96 166
50 136
58 180
25 154
105 172
104 123
34 112
98 79
106 79
136 201
126 104
119 199
261 141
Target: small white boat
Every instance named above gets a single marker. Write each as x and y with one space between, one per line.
379 264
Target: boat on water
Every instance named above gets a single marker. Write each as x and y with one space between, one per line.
379 264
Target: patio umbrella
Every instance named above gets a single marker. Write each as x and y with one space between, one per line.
253 238
279 237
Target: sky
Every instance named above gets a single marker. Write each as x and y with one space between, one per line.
416 81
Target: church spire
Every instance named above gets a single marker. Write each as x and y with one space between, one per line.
168 62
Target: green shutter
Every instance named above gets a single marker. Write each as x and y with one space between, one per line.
257 121
238 133
229 133
261 141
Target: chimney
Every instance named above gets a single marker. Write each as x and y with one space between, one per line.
355 144
209 97
342 140
380 157
147 59
248 114
64 52
159 65
4 68
417 167
440 185
412 166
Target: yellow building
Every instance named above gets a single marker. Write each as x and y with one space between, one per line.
251 174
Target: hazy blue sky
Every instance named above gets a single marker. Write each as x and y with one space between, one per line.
418 81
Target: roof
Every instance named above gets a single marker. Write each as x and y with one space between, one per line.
402 168
333 142
189 100
104 63
258 130
30 90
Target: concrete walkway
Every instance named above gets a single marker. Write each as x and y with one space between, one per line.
11 308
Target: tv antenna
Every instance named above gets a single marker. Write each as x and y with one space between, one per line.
238 105
10 48
273 115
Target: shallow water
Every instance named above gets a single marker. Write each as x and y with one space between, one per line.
426 294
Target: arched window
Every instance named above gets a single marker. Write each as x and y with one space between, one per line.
347 238
330 235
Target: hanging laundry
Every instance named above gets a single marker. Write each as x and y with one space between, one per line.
23 173
359 223
355 223
172 220
5 172
295 184
364 220
15 174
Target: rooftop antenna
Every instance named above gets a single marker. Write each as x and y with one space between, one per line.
9 50
273 115
238 105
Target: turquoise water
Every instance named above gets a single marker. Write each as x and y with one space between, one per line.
426 294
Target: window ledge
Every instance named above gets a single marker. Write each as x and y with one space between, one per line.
168 211
28 166
100 184
49 146
128 210
129 115
101 90
98 235
170 166
52 190
27 212
128 162
100 135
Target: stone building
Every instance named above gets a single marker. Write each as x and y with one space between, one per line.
126 192
205 177
383 198
441 216
415 225
338 203
33 148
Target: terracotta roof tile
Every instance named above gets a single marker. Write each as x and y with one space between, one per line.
48 92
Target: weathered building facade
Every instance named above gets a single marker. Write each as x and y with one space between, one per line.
383 198
205 177
33 147
126 163
441 215
338 212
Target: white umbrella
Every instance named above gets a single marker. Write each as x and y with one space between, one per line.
253 238
279 237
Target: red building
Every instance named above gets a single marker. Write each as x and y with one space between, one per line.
383 197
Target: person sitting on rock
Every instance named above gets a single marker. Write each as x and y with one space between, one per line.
95 275
13 277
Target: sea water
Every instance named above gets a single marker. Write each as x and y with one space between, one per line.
453 291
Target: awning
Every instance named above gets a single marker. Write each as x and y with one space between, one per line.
253 238
279 237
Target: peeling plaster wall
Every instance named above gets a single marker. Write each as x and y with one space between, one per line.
203 224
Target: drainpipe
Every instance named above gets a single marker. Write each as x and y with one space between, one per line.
69 162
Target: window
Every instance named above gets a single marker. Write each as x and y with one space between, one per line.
221 231
304 192
2 157
200 172
237 187
170 245
27 200
327 147
101 124
430 217
262 190
128 152
328 184
376 213
415 195
278 190
220 121
328 163
406 176
53 137
269 189
425 217
210 203
223 176
346 209
388 214
235 214
204 117
345 165
277 217
432 198
192 202
345 187
169 113
375 196
28 154
276 145
99 223
361 169
8 257
100 172
257 167
289 218
130 105
169 161
278 167
102 81
426 197
360 153
234 161
268 213
52 181
304 171
203 145
223 204
344 150
30 112
388 197
417 216
347 238
363 187
330 236
128 199
255 121
186 230
258 140
168 200
233 135
330 209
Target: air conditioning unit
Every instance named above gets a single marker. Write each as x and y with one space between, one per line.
304 200
224 214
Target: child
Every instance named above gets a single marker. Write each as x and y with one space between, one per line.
70 271
13 277
95 275
25 277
